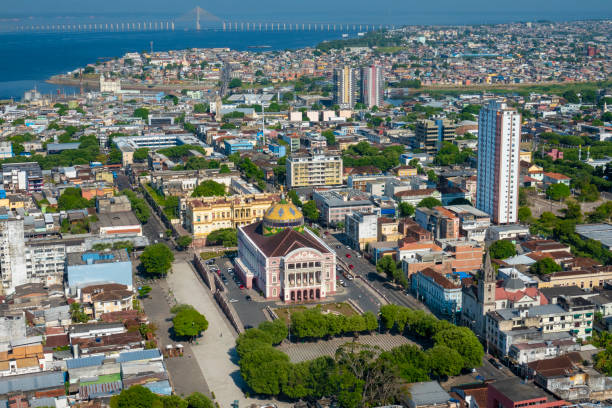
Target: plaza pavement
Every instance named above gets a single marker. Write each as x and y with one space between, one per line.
214 350
299 352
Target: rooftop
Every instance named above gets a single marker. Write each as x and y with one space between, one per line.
428 393
597 232
515 390
90 258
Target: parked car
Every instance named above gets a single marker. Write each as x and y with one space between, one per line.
248 298
351 266
241 287
348 255
233 300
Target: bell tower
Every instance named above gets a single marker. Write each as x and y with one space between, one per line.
486 285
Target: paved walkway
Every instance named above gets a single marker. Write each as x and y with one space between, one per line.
215 350
299 352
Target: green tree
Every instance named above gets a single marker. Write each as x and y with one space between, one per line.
464 342
209 188
224 169
199 400
141 154
294 198
188 322
184 241
71 199
157 259
225 236
310 211
444 361
386 266
329 136
201 108
77 313
142 113
545 266
235 83
429 202
276 329
524 214
588 193
136 396
557 191
502 249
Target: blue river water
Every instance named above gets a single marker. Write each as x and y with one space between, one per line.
30 58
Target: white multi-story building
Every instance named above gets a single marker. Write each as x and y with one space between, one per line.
499 136
372 89
12 254
361 229
109 85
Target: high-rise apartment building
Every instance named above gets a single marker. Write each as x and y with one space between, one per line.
344 84
314 169
431 133
372 89
12 254
499 136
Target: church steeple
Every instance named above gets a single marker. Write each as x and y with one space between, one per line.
486 284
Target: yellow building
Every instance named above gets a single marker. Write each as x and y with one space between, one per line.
314 169
406 171
13 202
584 278
525 156
207 214
387 230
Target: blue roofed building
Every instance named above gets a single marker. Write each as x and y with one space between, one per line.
27 383
85 269
237 145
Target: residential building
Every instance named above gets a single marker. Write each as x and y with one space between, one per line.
473 223
292 139
106 298
361 229
314 169
572 316
45 261
372 86
587 278
556 178
232 146
344 87
6 150
567 378
13 270
334 205
206 214
522 353
499 138
441 222
414 197
284 260
22 176
109 85
431 133
388 229
440 292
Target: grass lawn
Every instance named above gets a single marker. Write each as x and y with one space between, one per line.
344 308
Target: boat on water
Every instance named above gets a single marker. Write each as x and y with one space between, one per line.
344 35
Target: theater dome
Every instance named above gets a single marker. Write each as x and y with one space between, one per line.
282 215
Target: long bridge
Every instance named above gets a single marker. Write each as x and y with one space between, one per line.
196 19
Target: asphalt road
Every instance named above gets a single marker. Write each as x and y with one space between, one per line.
367 271
153 227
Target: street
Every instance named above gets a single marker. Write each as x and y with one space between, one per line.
362 267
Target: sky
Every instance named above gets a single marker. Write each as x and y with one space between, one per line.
383 11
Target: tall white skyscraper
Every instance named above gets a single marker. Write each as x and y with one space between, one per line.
372 89
499 136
